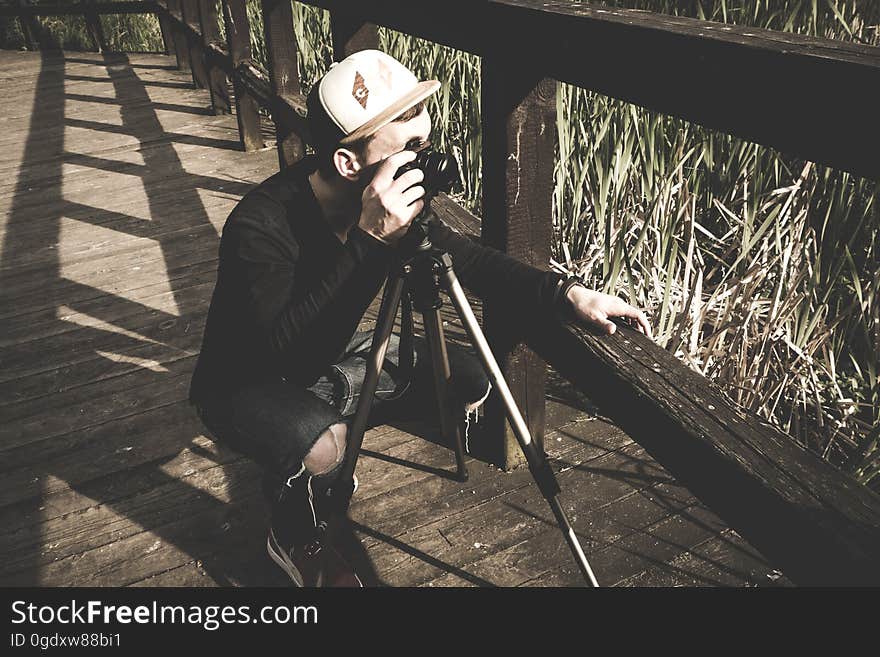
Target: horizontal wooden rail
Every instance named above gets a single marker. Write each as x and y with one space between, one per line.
214 50
806 516
123 7
808 97
814 521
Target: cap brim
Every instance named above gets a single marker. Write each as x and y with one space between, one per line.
418 93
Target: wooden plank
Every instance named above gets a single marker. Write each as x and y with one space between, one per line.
182 91
483 538
518 119
82 252
83 529
170 498
424 472
287 111
650 547
123 312
102 494
283 73
247 110
67 534
580 442
104 277
100 403
103 450
616 549
183 340
813 520
725 560
147 553
80 167
145 325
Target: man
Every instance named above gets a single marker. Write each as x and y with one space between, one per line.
302 256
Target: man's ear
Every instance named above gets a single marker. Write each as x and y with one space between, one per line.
347 164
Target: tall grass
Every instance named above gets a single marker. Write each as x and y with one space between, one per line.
122 33
760 270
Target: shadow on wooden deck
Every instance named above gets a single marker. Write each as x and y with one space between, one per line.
99 340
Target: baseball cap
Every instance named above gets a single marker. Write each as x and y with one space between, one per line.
368 90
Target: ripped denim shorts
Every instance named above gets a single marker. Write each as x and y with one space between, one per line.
276 423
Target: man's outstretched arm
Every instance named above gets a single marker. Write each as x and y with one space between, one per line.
525 290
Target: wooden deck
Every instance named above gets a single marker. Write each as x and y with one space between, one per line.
117 182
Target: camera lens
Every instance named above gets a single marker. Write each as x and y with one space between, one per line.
441 170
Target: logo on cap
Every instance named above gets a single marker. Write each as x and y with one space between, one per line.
359 91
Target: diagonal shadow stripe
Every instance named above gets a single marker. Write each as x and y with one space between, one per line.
127 102
192 181
97 460
146 83
178 137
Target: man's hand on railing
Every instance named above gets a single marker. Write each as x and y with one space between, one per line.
597 308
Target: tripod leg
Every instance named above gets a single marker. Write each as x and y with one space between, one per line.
442 373
540 469
378 347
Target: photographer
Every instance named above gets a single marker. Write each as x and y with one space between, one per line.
302 257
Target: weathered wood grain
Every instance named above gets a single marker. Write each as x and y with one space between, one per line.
247 110
518 128
283 72
819 523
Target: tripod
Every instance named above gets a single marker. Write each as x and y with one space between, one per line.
428 269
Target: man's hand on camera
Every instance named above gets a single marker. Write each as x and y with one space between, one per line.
388 205
597 308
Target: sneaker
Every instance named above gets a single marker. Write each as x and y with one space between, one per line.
297 540
313 565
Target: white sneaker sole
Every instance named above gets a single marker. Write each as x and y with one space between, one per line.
280 557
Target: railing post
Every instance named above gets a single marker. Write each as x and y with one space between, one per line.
181 47
518 123
166 29
247 109
93 26
190 14
351 34
29 28
217 81
283 72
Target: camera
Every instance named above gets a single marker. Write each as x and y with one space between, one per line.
441 170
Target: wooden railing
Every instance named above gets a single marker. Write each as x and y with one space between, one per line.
812 98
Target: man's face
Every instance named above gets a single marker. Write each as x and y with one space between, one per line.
395 137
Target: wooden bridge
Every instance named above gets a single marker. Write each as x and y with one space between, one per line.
120 171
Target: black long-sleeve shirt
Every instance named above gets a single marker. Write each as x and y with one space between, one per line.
290 294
